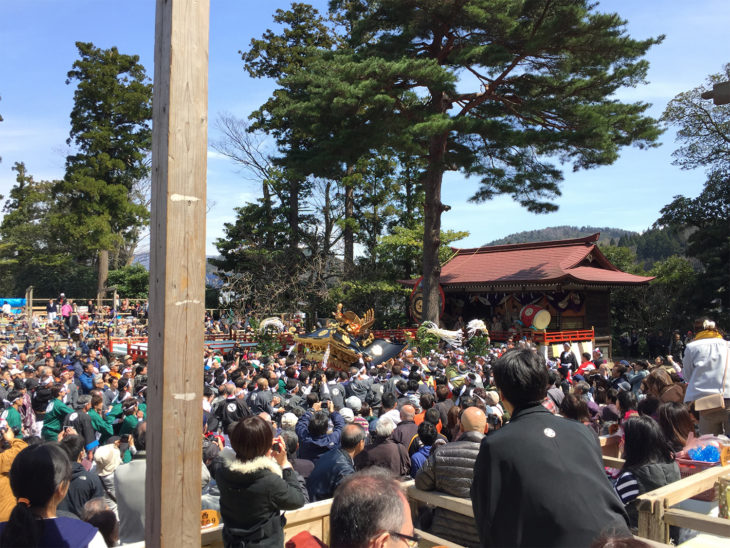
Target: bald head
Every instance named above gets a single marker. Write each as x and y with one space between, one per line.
473 419
407 412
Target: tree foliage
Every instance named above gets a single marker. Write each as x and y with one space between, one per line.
703 129
704 135
111 137
131 281
493 88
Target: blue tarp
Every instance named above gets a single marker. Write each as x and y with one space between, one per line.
17 305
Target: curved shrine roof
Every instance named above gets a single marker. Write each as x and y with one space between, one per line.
559 261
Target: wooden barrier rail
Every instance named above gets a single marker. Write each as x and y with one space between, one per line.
656 514
314 517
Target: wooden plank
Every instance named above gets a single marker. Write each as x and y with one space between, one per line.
613 462
689 487
442 500
177 273
429 541
698 522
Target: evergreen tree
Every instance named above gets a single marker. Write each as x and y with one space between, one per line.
111 138
542 76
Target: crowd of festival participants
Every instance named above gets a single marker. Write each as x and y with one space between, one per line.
512 432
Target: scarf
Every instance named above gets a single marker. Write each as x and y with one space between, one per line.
708 334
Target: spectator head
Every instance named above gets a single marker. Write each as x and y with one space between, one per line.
353 438
291 441
427 433
84 402
74 447
582 388
676 423
312 398
433 416
385 427
251 437
368 510
573 407
648 406
389 401
627 401
98 514
407 413
442 392
289 421
140 436
262 384
107 458
426 401
521 377
473 419
347 414
318 424
39 478
644 443
354 403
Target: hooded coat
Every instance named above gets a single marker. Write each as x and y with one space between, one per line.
253 493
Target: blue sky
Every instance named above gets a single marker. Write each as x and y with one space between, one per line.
37 49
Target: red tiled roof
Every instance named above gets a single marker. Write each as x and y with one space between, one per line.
577 260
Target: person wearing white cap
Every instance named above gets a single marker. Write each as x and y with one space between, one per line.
107 458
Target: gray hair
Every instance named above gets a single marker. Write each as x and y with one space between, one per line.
365 504
385 427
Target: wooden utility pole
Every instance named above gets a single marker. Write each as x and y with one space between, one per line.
177 273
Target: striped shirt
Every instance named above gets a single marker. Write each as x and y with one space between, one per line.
627 487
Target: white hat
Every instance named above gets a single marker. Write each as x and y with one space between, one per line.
354 403
107 458
347 414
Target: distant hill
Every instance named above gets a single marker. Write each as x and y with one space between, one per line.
608 235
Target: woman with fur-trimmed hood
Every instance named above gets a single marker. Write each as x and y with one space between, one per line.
255 486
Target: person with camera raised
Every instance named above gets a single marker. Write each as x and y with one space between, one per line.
256 484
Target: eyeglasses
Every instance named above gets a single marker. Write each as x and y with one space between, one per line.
411 541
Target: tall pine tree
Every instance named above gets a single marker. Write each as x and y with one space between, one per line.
111 138
497 89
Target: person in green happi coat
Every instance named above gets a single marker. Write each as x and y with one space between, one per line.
55 413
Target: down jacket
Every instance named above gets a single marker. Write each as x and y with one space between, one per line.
450 469
253 493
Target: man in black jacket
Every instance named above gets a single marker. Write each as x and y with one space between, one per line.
84 485
231 409
335 465
539 480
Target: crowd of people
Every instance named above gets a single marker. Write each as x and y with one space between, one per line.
510 430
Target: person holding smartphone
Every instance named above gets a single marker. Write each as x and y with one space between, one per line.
256 485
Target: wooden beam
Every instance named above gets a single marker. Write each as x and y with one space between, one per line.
698 522
688 487
177 273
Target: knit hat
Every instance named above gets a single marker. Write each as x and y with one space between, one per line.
354 403
347 414
107 458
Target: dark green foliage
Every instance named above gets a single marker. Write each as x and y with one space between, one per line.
111 138
425 341
131 281
709 243
32 251
704 134
541 73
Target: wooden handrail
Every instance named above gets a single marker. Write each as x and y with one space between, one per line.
655 514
